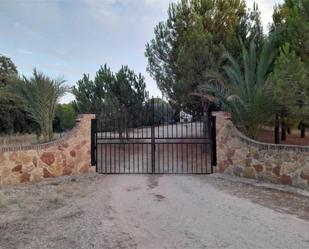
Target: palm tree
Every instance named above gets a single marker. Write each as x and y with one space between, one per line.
243 89
40 96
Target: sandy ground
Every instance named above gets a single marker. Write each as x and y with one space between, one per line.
130 211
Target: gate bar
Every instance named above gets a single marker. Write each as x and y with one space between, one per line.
93 142
213 143
153 145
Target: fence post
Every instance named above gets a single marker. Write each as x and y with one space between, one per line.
213 143
153 145
93 142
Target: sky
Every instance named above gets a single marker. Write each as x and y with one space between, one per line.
71 37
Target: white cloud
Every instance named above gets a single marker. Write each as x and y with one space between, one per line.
26 52
75 37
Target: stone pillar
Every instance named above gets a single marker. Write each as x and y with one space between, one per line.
223 125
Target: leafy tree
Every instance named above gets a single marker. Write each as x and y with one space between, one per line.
8 70
118 96
290 84
292 17
290 80
243 88
84 93
90 95
40 96
65 117
162 112
13 119
190 42
128 93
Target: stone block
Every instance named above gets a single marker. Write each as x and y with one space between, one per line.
276 170
286 180
48 158
237 170
249 172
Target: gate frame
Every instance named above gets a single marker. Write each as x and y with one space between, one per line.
212 143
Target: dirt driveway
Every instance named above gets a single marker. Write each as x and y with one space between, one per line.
96 211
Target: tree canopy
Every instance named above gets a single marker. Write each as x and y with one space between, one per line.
293 18
40 95
243 88
191 41
290 83
65 117
8 70
123 92
13 118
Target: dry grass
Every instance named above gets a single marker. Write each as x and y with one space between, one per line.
24 139
18 139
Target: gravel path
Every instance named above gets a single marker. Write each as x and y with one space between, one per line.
128 211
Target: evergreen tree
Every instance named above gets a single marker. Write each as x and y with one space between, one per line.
112 96
293 19
189 44
65 118
290 84
8 70
13 118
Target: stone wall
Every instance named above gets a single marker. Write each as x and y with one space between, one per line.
65 156
241 156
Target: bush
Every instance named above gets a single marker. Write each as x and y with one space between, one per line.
65 118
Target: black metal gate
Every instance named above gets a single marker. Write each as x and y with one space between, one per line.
153 140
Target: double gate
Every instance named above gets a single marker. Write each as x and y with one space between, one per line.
154 140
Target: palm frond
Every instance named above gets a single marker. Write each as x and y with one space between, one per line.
40 96
243 88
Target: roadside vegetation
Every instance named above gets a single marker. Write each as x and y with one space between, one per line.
208 55
29 107
217 51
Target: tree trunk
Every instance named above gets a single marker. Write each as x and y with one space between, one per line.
283 131
277 137
45 137
119 126
50 132
302 130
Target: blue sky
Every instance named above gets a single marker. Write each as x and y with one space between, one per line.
69 38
